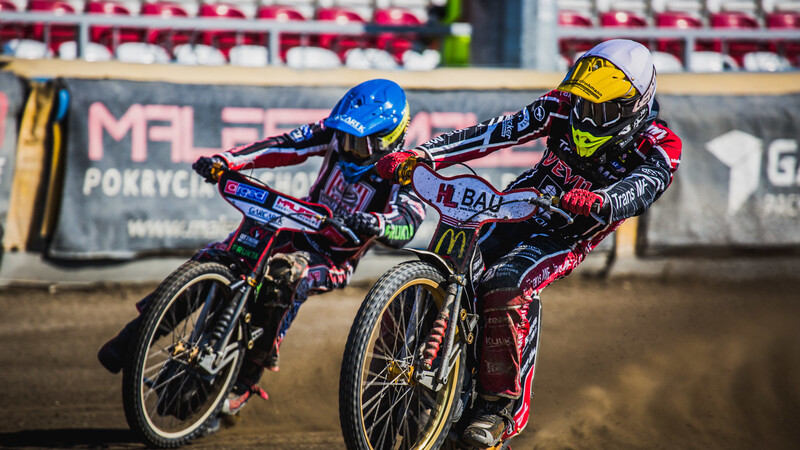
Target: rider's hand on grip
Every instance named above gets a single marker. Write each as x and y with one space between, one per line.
581 201
397 166
363 224
204 166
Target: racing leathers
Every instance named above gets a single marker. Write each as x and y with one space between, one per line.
522 258
307 264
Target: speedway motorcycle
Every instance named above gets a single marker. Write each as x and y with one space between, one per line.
190 346
409 369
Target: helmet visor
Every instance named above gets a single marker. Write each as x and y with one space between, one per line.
598 80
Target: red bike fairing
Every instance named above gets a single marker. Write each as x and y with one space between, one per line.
522 258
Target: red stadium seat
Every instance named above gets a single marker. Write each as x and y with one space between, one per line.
623 19
166 37
680 20
10 30
569 46
785 21
111 36
737 48
396 43
224 40
54 35
283 14
340 43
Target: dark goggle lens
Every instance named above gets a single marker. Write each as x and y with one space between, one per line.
602 114
360 147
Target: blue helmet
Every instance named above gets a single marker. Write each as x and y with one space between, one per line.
370 121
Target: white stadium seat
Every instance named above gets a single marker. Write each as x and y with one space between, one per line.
26 49
312 58
93 51
199 55
249 56
140 52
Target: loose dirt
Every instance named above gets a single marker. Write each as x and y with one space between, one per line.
624 363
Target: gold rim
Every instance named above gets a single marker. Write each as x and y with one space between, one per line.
397 372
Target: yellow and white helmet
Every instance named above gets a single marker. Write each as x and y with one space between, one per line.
614 87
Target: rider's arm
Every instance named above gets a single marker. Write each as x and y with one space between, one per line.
632 195
532 122
403 218
283 150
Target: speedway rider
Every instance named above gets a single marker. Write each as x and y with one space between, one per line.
606 149
367 123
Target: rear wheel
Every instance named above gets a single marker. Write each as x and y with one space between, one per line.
381 405
168 397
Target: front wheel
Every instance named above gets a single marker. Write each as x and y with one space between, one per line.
167 394
381 406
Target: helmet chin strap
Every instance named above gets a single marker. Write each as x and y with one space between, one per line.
353 172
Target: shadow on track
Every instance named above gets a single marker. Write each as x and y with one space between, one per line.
69 438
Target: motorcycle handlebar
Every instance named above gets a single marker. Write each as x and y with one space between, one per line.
551 203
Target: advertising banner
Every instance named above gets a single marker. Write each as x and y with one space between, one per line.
128 184
11 101
738 185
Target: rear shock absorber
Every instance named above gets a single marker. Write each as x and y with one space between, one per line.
433 343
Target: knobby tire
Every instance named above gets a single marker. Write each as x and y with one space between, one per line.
380 405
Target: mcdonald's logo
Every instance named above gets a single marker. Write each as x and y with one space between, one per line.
453 239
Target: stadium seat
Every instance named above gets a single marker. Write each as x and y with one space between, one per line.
141 52
199 55
429 59
283 13
312 58
666 62
341 43
765 62
249 55
111 36
224 40
623 19
734 20
54 35
10 30
93 51
166 37
680 20
785 20
27 49
396 43
370 58
708 61
569 46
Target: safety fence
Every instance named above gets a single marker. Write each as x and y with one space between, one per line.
99 169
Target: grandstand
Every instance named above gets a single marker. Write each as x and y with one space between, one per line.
699 35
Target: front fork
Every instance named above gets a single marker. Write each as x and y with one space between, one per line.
218 351
442 338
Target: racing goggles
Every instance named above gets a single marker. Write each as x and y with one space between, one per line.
357 147
605 114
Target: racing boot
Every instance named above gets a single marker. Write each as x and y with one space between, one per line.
244 389
112 354
492 417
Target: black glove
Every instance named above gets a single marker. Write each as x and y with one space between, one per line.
204 164
363 224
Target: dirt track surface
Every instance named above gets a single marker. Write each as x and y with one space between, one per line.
624 363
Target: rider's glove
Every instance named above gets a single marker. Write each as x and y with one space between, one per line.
204 164
363 224
580 201
388 166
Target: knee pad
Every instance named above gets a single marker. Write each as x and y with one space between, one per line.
285 275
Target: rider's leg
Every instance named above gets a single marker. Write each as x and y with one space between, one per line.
505 294
291 278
